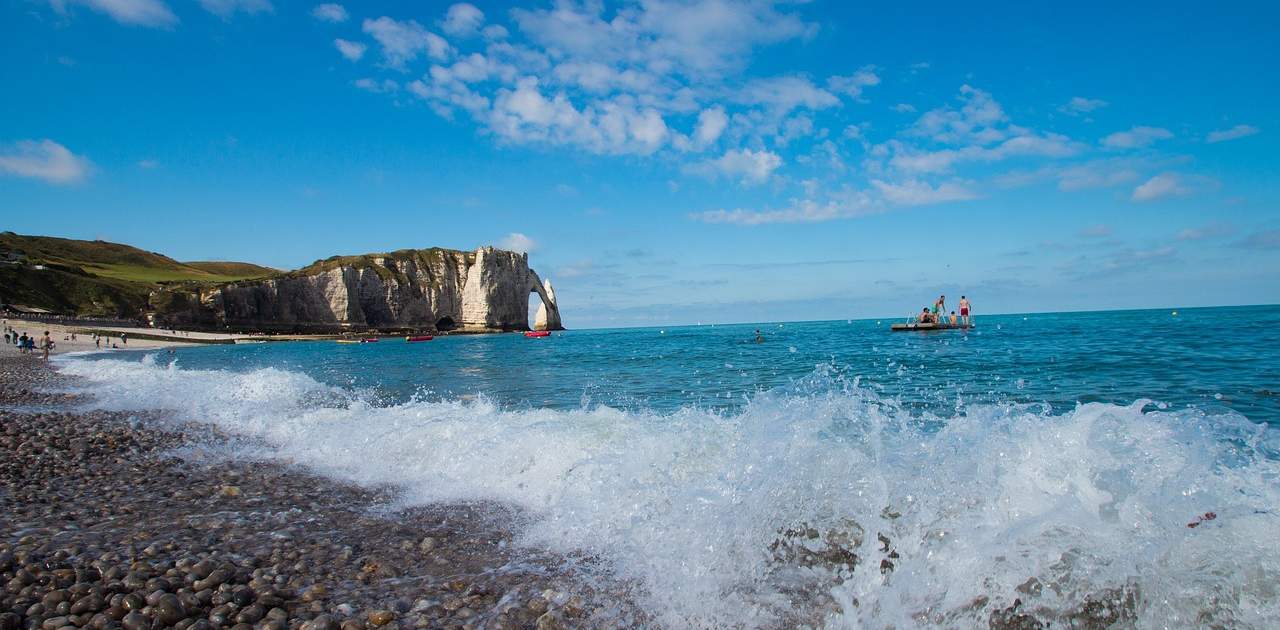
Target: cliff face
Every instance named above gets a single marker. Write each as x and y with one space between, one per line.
484 290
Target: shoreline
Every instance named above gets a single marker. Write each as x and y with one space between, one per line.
154 338
113 521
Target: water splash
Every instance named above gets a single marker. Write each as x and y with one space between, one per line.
819 503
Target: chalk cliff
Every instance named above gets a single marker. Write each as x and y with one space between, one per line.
420 289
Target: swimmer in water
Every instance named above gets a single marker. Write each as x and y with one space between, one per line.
759 337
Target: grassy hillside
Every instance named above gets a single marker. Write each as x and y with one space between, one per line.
96 277
122 262
233 270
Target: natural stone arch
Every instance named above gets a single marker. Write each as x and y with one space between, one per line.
548 316
446 323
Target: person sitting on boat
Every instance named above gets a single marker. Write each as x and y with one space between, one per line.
925 317
953 318
964 310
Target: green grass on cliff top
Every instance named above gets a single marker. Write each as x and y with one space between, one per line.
122 262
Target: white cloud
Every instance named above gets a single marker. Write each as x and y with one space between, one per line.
494 32
148 164
904 108
745 165
353 51
227 8
711 123
1136 138
785 93
1048 145
1096 231
517 242
976 121
844 205
463 20
384 86
45 160
1238 131
154 13
692 38
614 126
1159 187
1079 105
853 84
330 12
918 193
1205 232
403 42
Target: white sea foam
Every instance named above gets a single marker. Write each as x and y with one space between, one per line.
688 506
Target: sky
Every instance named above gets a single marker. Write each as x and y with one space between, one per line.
672 161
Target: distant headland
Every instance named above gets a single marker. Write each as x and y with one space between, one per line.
435 289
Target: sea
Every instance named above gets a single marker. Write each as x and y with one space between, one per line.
836 474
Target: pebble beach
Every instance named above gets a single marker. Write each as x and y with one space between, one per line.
105 523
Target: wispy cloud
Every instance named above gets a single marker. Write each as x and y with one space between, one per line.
330 12
1159 187
1238 131
1263 240
1136 138
45 160
1096 231
227 8
917 193
517 242
353 51
463 20
744 165
1205 232
152 13
1079 105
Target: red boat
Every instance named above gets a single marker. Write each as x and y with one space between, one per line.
538 333
369 340
419 338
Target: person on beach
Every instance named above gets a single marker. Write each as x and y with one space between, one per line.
97 341
123 339
22 344
964 310
46 344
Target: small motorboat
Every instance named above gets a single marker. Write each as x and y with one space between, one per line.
416 339
533 334
929 326
370 340
347 340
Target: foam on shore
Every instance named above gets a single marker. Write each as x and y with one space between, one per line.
693 507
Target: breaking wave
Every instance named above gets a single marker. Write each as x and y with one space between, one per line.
820 503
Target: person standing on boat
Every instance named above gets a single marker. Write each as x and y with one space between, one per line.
964 310
939 309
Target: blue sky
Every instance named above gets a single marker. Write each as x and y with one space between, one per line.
671 161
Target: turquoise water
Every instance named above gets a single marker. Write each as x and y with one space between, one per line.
1214 359
1070 449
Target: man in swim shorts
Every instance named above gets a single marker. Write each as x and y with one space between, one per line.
964 310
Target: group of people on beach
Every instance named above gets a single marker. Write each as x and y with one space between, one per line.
939 310
28 344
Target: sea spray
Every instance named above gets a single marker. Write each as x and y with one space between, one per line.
819 503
